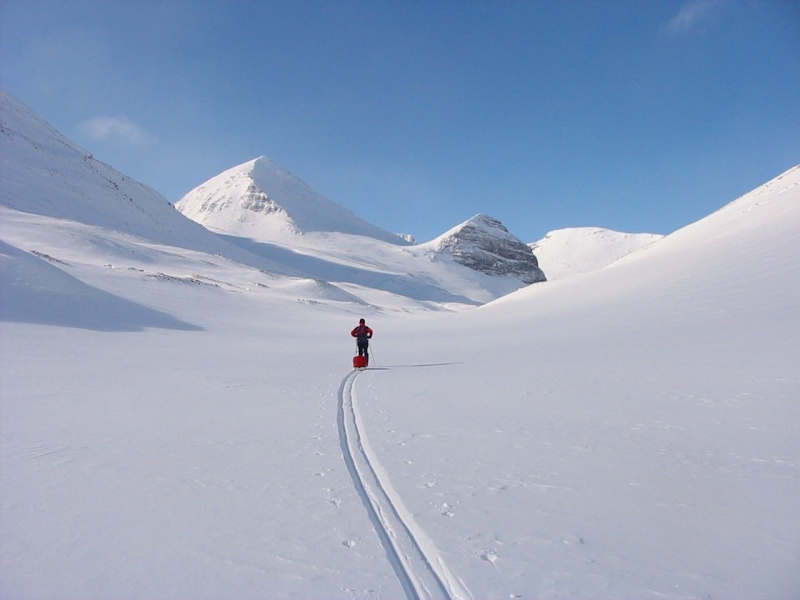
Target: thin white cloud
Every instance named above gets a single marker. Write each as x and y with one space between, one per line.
692 15
116 129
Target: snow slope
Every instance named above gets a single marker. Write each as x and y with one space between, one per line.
566 252
260 200
43 173
57 191
271 213
177 424
629 433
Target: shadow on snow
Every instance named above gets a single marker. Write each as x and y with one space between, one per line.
34 291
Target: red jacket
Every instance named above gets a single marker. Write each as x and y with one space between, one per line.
361 332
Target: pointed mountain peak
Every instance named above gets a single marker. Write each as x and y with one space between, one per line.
483 244
483 223
262 200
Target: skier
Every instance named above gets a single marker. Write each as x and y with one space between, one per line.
362 333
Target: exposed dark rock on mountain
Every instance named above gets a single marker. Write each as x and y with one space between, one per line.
484 244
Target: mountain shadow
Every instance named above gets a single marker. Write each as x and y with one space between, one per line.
35 291
407 285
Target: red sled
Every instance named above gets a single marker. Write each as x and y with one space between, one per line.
359 362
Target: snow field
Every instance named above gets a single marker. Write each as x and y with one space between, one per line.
177 407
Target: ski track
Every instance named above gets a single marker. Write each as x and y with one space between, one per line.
415 559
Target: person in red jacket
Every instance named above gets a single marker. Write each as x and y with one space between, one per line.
362 333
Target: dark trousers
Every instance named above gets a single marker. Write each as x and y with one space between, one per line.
363 346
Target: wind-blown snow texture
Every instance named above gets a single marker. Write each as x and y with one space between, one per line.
179 424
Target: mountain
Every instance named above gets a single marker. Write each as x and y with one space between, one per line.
483 244
735 251
270 212
572 251
56 193
45 174
260 200
179 423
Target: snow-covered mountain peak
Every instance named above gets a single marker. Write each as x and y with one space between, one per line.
48 181
484 244
261 200
482 223
575 250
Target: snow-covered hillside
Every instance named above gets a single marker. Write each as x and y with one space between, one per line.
269 212
575 250
179 424
260 200
58 192
43 173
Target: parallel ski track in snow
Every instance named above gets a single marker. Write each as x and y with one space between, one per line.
416 561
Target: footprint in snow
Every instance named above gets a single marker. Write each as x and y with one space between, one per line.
490 557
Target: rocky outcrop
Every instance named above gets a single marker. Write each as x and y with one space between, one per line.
483 244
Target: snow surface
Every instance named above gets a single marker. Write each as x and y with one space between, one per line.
575 250
271 213
44 174
179 424
260 200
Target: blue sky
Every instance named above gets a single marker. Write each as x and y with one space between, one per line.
639 116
